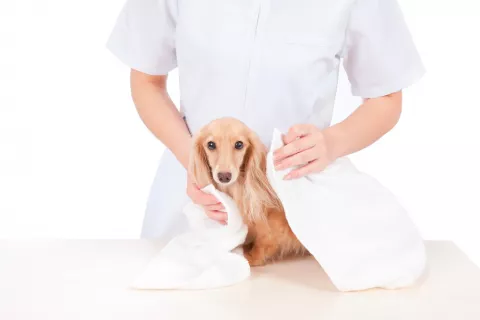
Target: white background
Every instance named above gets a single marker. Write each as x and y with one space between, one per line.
77 162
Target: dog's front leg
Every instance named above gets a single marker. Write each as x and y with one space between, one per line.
264 246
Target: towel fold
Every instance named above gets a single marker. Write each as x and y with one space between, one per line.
353 226
208 256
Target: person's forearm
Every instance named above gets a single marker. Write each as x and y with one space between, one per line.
159 113
373 119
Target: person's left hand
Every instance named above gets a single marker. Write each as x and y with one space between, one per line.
306 146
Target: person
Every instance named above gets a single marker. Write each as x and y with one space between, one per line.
271 64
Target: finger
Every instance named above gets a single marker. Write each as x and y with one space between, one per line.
314 166
298 131
205 199
298 159
294 148
217 215
194 184
215 207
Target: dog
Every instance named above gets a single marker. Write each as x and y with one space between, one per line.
229 155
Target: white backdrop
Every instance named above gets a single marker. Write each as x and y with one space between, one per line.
77 162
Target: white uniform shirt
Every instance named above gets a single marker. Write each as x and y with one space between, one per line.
269 63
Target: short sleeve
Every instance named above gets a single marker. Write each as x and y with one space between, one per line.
379 55
144 36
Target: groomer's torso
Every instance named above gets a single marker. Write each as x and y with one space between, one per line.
270 63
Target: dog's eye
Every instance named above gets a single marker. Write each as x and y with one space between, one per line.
211 145
238 145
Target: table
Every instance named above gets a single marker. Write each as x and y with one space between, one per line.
89 279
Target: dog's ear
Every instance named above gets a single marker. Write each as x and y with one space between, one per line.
255 161
259 194
198 166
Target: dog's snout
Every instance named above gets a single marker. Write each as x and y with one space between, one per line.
224 177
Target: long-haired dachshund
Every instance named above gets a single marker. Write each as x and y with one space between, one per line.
227 154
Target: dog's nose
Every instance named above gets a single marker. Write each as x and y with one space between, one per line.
224 177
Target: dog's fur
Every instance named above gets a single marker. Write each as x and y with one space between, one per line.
269 236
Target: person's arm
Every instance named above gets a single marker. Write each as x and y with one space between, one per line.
380 60
162 118
372 120
314 149
159 113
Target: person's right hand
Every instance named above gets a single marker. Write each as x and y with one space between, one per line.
213 208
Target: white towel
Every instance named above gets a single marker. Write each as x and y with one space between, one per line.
208 256
352 225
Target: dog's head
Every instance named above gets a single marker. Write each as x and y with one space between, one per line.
224 151
231 156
